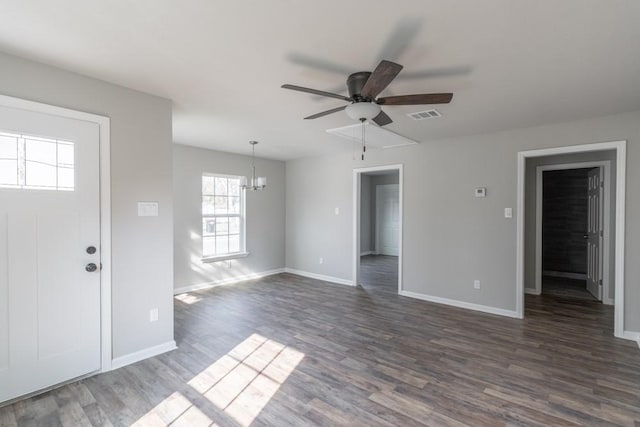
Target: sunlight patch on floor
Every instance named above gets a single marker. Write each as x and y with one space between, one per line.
242 382
176 410
188 298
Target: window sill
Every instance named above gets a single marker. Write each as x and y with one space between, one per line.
228 257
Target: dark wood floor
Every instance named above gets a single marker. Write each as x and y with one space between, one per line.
379 273
562 287
287 350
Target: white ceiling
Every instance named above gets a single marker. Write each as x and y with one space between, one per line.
515 63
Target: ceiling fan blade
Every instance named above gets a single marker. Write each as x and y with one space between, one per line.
316 92
437 72
402 36
326 113
421 99
318 63
384 74
382 119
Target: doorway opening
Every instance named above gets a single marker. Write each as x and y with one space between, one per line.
377 239
602 242
573 223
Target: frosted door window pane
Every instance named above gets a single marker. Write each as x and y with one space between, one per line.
8 173
8 160
28 162
40 175
41 151
8 147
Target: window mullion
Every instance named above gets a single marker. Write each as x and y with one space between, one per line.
22 161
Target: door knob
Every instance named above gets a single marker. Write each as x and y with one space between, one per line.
91 250
91 267
586 236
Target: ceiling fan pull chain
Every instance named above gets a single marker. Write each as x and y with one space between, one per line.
364 147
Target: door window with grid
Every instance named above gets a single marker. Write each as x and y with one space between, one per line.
222 216
35 163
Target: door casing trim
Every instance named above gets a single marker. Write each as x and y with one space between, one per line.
621 162
357 185
104 125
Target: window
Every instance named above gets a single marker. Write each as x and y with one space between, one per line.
34 163
222 216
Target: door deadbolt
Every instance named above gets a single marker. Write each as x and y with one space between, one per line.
91 267
91 250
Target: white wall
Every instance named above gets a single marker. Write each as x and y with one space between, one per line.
142 260
451 237
265 217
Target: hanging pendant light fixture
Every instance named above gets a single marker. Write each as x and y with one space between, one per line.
253 183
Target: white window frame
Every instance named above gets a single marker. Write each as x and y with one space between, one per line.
243 222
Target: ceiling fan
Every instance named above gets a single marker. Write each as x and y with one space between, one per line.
364 87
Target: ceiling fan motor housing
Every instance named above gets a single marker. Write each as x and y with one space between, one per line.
355 83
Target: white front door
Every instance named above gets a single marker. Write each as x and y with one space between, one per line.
594 234
49 225
387 219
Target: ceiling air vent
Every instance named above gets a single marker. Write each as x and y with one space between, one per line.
422 115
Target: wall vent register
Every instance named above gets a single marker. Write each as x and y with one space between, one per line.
427 114
36 163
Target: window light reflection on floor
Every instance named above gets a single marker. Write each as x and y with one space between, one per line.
244 380
241 383
188 298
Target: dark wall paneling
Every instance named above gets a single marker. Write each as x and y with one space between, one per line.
564 220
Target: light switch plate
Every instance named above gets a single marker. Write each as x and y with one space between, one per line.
147 208
481 192
508 213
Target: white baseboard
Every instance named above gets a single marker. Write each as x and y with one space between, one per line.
320 277
228 281
461 304
608 301
146 353
531 291
564 274
365 253
633 336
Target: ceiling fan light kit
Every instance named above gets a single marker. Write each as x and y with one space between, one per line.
363 110
253 183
